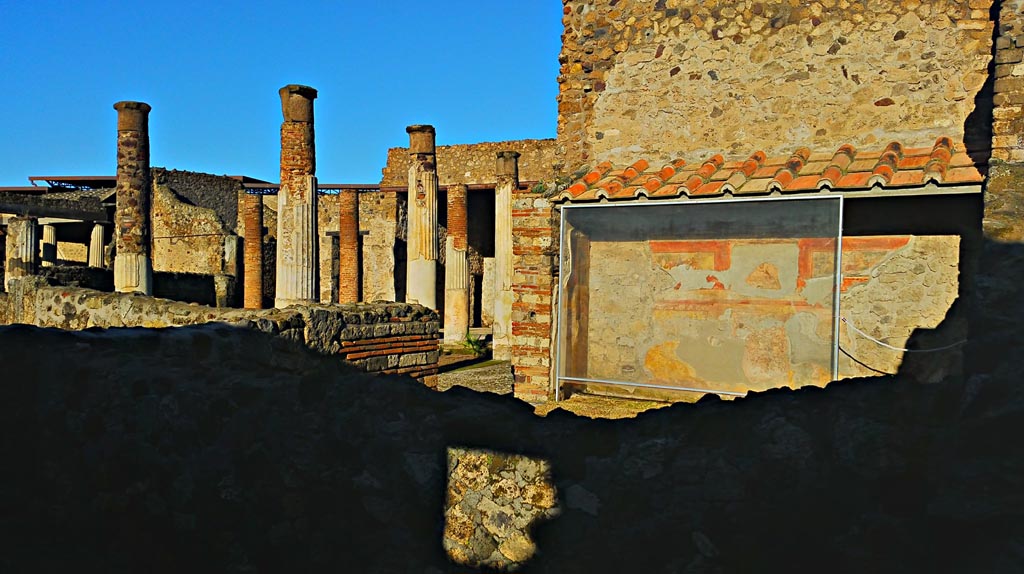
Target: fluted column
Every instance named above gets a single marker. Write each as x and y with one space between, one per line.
456 269
48 253
252 230
297 239
348 246
22 246
96 246
507 182
133 268
421 266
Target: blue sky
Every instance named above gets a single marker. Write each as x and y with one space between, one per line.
476 70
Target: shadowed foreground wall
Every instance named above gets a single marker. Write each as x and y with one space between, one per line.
219 448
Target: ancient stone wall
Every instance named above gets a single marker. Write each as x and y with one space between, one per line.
378 222
188 238
1004 193
684 78
215 192
389 338
475 163
327 221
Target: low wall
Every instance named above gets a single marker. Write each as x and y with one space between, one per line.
394 338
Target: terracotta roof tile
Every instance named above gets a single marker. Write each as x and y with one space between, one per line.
803 171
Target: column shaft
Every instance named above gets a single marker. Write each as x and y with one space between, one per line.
508 182
96 246
456 274
48 253
133 270
297 237
348 246
252 230
421 270
21 247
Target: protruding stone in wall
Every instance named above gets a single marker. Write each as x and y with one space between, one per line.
456 271
507 171
252 229
96 246
297 236
421 266
348 246
21 248
133 268
48 251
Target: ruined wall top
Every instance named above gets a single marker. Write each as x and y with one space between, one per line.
297 103
685 78
132 116
474 163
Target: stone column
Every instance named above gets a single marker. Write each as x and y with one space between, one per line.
21 249
508 182
48 254
421 266
456 269
133 269
96 246
297 238
348 246
252 230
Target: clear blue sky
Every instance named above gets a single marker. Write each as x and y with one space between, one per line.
476 70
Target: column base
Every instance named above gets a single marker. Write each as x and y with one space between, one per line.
133 273
421 283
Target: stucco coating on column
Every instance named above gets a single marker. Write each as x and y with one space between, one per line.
456 278
422 248
297 238
96 246
133 270
21 247
48 251
507 172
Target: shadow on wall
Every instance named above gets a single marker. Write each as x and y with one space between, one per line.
218 448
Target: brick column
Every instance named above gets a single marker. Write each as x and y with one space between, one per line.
508 182
96 246
297 239
421 266
456 269
252 231
534 258
133 269
348 246
21 248
48 254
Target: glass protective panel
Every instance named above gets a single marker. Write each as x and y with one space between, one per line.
721 296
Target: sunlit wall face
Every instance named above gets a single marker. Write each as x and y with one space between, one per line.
720 296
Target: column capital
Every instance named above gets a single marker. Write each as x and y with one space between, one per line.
507 163
421 139
132 116
297 103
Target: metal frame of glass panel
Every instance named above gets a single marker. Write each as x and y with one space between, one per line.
562 278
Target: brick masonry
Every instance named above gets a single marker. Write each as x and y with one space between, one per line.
348 246
252 221
534 269
1004 201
